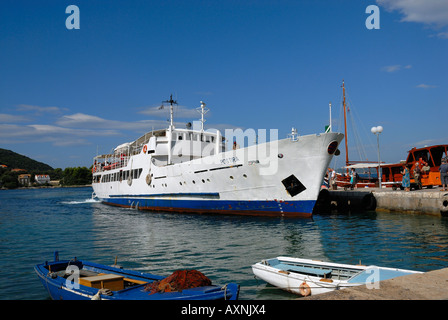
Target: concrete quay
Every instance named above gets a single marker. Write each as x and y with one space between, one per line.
427 201
432 285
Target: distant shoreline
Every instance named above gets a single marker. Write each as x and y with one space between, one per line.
49 187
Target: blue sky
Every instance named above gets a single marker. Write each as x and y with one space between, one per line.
67 94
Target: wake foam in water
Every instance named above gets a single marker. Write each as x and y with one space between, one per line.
90 200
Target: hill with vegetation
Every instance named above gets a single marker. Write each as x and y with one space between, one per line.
13 160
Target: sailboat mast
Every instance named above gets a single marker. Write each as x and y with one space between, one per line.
345 124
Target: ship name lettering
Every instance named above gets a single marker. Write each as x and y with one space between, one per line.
229 160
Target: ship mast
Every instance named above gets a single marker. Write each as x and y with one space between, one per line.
345 125
202 110
171 127
171 102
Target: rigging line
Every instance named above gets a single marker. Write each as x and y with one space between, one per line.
357 139
354 120
357 119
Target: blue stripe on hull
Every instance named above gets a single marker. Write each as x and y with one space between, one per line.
263 208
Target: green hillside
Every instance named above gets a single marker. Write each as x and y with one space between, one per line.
17 161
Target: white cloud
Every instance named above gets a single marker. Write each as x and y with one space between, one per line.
81 120
395 67
425 86
431 12
44 129
38 133
442 35
80 128
9 118
39 109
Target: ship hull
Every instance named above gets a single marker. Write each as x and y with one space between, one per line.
280 178
250 208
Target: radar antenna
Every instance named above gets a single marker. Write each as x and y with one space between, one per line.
171 102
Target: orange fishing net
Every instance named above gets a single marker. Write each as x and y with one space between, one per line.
178 281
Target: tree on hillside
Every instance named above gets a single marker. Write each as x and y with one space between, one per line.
76 176
15 160
9 179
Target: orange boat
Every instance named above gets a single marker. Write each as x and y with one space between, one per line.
427 158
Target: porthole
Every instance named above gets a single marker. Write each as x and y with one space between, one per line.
194 182
245 175
203 181
231 177
332 147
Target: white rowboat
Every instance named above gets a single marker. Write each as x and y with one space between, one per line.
306 277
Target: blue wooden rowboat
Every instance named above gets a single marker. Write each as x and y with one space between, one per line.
82 280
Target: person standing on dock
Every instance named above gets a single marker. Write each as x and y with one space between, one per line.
333 185
406 181
417 176
353 179
444 174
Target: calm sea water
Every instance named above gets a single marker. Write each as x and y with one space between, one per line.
35 223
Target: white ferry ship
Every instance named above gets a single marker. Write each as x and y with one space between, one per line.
190 170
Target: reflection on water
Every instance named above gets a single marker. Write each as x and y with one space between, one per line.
222 247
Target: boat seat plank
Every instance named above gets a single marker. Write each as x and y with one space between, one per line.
305 270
